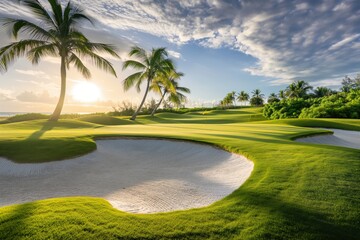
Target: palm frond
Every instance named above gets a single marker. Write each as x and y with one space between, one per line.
96 60
79 65
132 80
35 54
35 31
183 89
17 49
57 12
38 10
78 17
101 47
139 53
133 64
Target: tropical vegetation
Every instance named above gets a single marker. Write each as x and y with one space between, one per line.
323 102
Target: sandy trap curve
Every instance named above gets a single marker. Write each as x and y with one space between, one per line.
343 138
140 176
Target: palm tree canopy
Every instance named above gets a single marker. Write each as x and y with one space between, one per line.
323 91
257 93
150 66
243 96
55 34
298 89
166 82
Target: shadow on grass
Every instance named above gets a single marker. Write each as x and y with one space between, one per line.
291 220
48 126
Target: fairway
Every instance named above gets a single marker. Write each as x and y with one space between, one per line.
296 190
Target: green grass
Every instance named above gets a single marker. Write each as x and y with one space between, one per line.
296 191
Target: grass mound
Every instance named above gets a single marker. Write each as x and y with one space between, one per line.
25 117
105 120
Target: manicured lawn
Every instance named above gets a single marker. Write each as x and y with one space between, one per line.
296 191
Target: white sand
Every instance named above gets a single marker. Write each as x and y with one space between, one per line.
140 176
343 138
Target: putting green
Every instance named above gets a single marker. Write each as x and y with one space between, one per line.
296 190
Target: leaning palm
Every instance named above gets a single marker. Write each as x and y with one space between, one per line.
163 84
55 34
150 65
177 97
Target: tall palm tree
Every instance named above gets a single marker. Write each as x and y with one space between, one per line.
150 65
55 34
298 89
164 84
243 96
257 98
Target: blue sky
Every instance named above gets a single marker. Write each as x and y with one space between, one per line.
221 46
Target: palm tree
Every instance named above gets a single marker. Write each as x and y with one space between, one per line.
151 64
273 98
177 97
243 96
56 34
322 92
167 83
257 98
298 89
282 94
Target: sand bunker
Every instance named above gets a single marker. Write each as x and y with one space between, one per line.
140 176
341 138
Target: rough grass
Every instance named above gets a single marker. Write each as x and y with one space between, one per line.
296 191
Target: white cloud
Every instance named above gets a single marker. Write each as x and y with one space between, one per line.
174 54
344 41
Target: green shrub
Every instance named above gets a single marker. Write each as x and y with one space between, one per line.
340 105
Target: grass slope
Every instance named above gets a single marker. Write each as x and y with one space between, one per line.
296 191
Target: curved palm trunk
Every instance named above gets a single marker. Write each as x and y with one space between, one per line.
56 114
142 102
158 105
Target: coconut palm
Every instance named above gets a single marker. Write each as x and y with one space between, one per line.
298 89
273 98
55 34
168 84
243 96
150 65
257 98
177 97
322 92
282 94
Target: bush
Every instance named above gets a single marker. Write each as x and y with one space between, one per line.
340 105
286 108
123 109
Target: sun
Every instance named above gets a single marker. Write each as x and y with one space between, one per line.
86 92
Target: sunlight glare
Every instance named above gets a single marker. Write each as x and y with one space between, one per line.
86 92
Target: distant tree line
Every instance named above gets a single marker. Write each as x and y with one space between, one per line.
300 100
257 99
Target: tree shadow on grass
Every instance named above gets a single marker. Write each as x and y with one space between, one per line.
37 134
289 220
